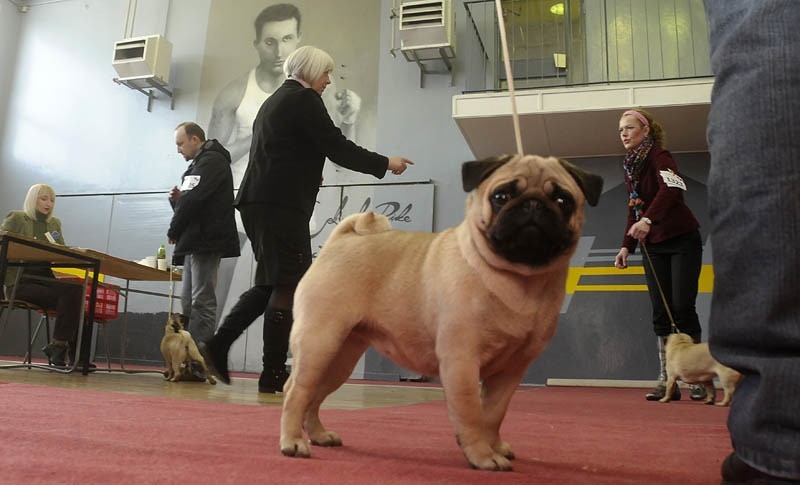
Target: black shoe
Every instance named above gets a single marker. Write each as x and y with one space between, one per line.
56 353
216 362
272 381
193 372
660 391
698 393
735 470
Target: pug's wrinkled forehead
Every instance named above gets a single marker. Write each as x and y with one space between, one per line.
474 173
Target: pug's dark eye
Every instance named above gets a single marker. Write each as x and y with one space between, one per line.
564 201
500 198
502 195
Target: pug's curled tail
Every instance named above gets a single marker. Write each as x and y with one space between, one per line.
363 224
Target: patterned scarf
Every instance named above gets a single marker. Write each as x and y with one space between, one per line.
633 165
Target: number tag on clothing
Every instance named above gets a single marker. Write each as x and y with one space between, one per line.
672 179
190 182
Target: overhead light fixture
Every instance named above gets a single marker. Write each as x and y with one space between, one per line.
557 9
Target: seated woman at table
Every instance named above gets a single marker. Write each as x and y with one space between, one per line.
36 221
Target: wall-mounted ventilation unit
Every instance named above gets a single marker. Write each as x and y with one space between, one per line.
427 33
427 30
143 64
143 57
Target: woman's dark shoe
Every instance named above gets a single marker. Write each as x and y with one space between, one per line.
660 391
216 362
272 381
56 352
735 470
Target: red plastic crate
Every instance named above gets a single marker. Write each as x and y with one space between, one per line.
106 305
107 302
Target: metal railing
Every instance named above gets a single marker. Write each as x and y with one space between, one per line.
577 42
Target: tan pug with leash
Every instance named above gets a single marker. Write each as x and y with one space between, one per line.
178 347
693 364
474 304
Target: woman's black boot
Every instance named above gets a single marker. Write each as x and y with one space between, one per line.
277 327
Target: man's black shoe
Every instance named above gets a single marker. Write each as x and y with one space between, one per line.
735 470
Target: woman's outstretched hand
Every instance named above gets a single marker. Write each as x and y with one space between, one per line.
398 165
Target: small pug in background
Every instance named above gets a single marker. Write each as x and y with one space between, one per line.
178 347
693 364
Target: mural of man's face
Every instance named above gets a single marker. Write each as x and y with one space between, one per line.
277 41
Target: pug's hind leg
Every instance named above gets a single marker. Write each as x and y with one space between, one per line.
711 392
335 375
168 372
316 372
728 381
176 370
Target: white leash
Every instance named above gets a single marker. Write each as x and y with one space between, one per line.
509 75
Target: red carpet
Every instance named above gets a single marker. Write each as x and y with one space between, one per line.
560 435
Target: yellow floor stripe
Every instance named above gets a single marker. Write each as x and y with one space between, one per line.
705 283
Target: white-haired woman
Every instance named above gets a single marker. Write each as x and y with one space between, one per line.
292 136
36 220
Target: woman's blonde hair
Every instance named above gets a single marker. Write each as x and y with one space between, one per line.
308 63
656 130
33 195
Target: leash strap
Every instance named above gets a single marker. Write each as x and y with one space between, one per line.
171 288
660 290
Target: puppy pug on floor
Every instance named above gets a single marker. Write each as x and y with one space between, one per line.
474 304
693 364
178 347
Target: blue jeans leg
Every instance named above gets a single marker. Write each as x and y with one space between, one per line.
755 223
198 294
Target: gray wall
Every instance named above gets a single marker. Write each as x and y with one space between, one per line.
69 125
9 38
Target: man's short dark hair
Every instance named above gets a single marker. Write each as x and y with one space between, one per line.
192 129
276 13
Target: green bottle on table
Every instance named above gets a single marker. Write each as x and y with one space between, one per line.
162 252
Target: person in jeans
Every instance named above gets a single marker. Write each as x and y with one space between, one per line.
202 227
754 203
663 225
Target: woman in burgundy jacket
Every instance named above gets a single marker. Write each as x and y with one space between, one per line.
661 222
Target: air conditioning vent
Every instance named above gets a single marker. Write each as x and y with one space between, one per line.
147 57
421 14
427 30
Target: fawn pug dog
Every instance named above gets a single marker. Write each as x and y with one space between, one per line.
693 364
474 304
178 347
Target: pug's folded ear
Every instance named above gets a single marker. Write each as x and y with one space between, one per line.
473 173
591 185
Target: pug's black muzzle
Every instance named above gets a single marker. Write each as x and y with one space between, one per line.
530 231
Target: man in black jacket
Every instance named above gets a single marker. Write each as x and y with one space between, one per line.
203 228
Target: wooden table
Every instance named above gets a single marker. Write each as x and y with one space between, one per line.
21 251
